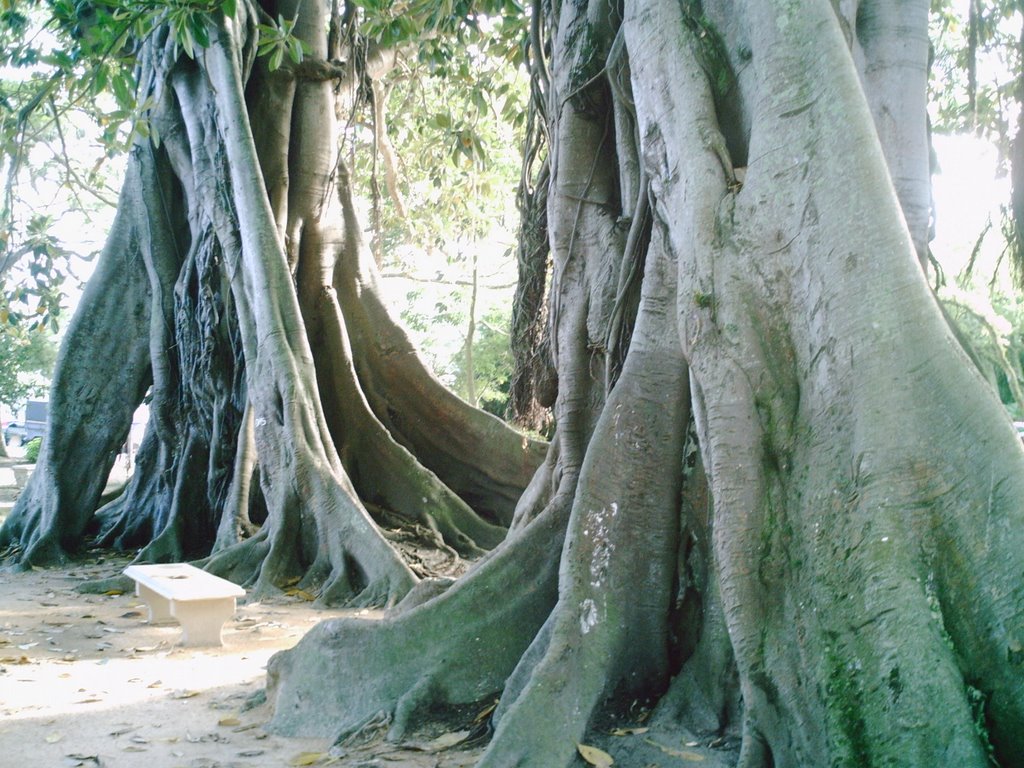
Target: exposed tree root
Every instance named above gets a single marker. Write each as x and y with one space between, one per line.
347 673
483 460
383 472
624 531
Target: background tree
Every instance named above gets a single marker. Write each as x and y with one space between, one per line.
209 331
25 353
28 357
975 89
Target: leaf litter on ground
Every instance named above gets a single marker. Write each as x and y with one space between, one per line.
594 756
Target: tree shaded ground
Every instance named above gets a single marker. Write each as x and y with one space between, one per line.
112 688
779 508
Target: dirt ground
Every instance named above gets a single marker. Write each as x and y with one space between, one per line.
86 682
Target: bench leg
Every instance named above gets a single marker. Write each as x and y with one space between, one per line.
159 606
202 620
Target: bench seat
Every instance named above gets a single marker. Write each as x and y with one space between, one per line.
199 601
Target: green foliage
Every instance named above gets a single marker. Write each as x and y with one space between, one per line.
992 330
28 359
492 363
454 116
974 75
32 450
69 106
456 109
278 40
423 22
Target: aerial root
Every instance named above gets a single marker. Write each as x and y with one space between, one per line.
754 751
363 732
422 694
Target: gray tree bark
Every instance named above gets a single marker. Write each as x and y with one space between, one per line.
855 569
254 319
780 505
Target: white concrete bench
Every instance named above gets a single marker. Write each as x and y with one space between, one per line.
199 601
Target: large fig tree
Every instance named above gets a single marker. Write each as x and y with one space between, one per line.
779 502
235 288
738 215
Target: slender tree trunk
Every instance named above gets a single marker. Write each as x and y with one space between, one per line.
470 368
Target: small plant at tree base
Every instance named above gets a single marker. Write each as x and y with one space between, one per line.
32 450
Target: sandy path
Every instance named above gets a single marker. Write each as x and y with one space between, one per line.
84 681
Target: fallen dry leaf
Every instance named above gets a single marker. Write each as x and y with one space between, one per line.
692 757
53 738
183 694
629 731
594 756
83 760
441 743
307 758
229 721
484 713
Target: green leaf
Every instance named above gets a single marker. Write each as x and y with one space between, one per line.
185 38
229 8
197 24
119 84
276 58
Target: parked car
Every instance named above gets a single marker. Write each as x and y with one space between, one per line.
32 426
14 433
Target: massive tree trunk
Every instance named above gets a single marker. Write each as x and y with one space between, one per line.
836 562
728 246
236 288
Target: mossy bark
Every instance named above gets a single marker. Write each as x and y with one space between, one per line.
853 567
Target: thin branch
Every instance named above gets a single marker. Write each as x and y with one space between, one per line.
403 275
79 183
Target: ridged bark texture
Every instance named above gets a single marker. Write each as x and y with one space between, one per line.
736 211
